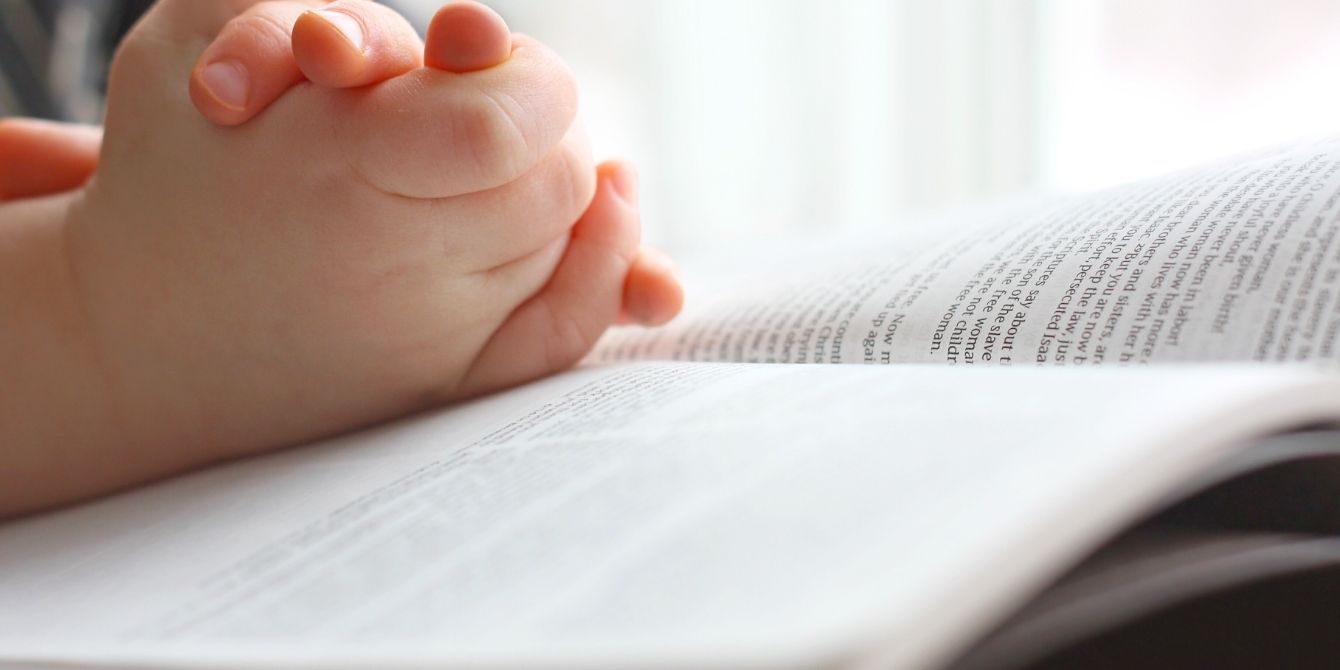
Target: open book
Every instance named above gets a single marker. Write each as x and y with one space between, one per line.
685 499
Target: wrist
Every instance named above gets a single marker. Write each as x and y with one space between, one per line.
58 424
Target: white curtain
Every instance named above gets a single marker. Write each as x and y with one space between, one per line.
1137 87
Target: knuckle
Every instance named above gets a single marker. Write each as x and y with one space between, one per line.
550 75
359 6
494 139
383 25
262 23
570 336
575 182
363 9
133 56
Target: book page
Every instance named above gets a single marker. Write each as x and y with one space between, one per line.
676 514
1236 261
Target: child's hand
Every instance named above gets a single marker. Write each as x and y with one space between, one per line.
49 157
348 255
354 43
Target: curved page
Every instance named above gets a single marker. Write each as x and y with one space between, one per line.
660 514
1234 261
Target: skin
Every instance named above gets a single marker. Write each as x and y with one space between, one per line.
44 158
345 236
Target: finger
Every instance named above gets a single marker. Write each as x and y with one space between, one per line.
351 43
458 133
200 18
555 328
249 64
491 228
465 36
42 157
652 293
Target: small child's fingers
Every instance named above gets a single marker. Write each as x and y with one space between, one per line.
652 294
352 43
493 228
42 157
249 64
459 133
198 18
465 36
555 328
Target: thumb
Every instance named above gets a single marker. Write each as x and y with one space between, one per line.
466 36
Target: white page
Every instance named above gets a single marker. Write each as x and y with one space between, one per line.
663 514
1235 261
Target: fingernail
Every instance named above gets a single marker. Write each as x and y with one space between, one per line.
624 180
347 26
228 82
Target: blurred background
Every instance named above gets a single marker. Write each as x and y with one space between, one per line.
752 118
